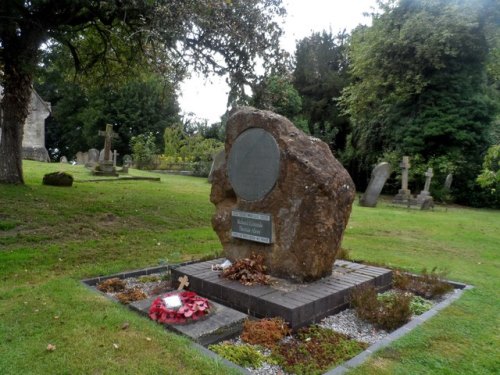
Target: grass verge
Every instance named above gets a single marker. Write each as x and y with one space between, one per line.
52 237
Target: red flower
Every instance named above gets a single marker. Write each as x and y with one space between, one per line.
193 307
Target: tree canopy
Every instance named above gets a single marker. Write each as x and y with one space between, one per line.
419 85
112 38
320 75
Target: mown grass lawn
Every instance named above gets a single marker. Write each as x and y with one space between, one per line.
50 238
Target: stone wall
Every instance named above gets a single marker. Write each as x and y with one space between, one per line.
34 129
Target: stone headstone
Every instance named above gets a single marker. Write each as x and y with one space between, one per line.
448 181
82 158
63 159
108 135
377 181
424 199
101 156
404 194
115 155
281 194
93 155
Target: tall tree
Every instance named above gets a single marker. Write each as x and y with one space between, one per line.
276 93
419 85
218 35
320 75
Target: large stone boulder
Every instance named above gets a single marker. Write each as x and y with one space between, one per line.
278 171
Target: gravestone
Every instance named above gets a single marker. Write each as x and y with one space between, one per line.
404 194
448 181
93 158
108 135
101 155
377 181
424 199
63 159
281 194
105 166
115 155
82 158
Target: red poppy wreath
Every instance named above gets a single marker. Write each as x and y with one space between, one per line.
188 307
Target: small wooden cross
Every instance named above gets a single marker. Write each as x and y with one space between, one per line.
184 282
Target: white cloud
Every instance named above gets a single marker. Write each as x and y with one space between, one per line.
207 98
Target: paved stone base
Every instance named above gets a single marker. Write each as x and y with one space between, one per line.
418 204
103 173
298 304
224 323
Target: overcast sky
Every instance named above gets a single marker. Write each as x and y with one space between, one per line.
207 98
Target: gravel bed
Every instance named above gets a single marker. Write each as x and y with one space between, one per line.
146 287
349 324
345 322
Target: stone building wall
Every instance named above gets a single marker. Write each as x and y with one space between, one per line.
34 128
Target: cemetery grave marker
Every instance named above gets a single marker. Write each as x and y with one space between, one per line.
93 156
448 181
378 178
404 195
105 166
280 194
424 199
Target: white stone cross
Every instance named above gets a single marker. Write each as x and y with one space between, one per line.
428 177
405 166
109 135
115 154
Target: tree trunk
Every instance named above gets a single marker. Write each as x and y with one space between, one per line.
17 94
19 58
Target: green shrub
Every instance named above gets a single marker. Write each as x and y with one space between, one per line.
418 305
143 150
387 312
244 355
201 168
429 285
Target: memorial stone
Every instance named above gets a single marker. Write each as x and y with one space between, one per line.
424 199
63 159
404 194
377 181
115 155
105 167
82 158
448 181
93 157
281 194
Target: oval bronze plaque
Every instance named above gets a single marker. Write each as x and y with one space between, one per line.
253 164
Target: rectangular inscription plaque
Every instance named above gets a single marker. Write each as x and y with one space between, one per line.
251 226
